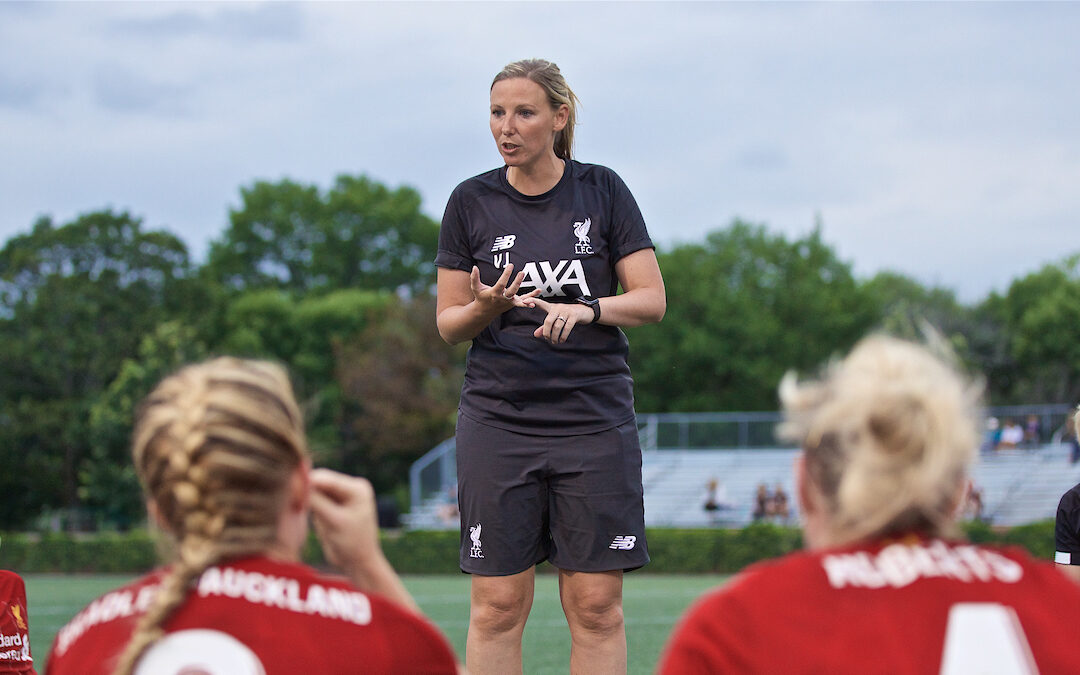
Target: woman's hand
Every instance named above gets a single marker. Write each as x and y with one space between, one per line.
465 306
503 295
560 320
346 520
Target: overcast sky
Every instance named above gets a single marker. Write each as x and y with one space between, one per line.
939 140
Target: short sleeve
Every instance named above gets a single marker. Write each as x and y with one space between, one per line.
1066 535
454 249
628 233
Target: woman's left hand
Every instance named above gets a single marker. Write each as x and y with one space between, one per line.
560 320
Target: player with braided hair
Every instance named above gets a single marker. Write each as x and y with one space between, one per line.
220 451
888 436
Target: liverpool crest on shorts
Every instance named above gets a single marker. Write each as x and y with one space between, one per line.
474 534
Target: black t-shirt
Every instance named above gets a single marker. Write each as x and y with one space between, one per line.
567 242
1067 528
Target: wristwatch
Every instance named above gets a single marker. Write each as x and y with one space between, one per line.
590 301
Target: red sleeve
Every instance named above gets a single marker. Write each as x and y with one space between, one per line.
14 626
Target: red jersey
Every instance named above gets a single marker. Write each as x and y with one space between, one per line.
256 615
14 626
899 606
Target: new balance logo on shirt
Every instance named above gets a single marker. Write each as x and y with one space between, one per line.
623 542
504 242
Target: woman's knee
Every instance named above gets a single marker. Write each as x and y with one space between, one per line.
594 613
500 608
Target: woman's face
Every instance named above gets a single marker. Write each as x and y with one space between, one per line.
523 122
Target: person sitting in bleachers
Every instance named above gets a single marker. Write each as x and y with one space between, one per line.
781 510
1012 435
763 503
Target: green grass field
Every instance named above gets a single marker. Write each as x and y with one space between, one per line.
652 604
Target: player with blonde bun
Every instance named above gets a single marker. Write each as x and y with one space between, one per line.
888 435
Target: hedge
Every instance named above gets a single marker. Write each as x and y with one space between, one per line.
673 551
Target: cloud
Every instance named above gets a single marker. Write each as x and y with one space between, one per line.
121 89
271 21
21 93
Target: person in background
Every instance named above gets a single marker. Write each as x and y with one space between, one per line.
763 503
888 436
1067 526
530 259
1012 434
15 655
219 449
1032 432
992 436
781 509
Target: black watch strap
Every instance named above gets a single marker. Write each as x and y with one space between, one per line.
590 301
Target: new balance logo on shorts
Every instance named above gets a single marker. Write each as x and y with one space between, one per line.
623 542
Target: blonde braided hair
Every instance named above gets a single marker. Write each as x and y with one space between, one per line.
214 447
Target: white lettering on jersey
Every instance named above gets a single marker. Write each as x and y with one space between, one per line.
501 259
898 565
200 650
552 280
115 605
985 637
260 589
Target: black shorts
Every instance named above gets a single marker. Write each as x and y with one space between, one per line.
574 500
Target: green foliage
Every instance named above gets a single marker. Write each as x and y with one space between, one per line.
400 387
1037 538
107 553
673 551
107 478
743 308
1036 357
74 302
359 234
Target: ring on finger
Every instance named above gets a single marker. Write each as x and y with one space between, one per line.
560 318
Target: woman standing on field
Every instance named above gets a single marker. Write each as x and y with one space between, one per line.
530 259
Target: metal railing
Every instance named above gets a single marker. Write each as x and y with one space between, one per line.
436 472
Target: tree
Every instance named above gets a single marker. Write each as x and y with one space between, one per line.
74 303
1038 319
401 384
107 480
359 234
743 308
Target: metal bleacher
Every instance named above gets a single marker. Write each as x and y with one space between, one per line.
682 452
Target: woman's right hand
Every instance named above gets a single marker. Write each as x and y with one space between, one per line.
345 517
503 295
343 509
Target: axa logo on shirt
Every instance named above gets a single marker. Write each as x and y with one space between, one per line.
553 279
